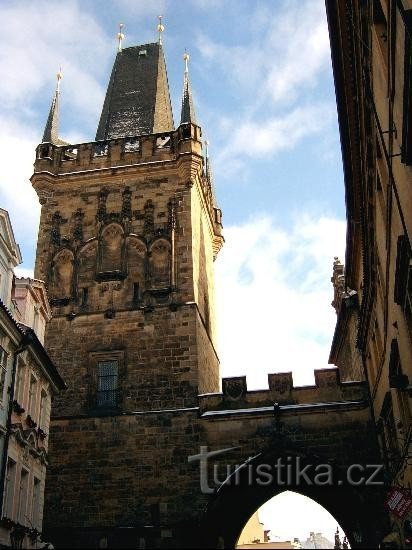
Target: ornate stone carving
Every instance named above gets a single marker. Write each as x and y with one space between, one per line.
78 225
101 207
127 204
172 214
148 228
55 236
234 388
281 382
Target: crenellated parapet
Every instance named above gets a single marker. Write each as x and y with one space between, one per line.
327 391
119 152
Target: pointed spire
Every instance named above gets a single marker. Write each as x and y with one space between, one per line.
120 37
51 131
188 110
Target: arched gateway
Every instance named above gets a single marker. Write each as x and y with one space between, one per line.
133 334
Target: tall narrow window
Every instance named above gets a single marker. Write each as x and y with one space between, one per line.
35 504
387 430
403 279
19 387
44 401
406 156
32 395
107 379
3 371
9 489
22 504
381 28
399 382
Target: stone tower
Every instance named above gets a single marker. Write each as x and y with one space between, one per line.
128 233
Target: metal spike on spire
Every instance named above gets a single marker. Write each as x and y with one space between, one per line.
120 37
160 28
186 58
188 110
59 77
51 131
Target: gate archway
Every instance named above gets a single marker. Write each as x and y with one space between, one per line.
356 510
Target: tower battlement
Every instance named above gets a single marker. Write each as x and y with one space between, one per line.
120 152
328 392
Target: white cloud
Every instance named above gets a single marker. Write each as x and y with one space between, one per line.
17 145
38 38
24 272
274 134
272 76
274 295
284 56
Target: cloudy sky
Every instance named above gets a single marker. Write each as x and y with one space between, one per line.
262 82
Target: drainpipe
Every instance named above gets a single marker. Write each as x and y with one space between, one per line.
25 342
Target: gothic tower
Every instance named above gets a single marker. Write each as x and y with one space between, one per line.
128 234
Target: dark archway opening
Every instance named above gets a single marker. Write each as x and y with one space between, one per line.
357 509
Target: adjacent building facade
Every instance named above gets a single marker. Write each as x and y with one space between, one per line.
371 45
28 381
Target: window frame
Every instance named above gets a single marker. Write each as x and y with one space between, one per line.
95 358
4 359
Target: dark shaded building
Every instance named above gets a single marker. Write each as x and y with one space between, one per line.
371 45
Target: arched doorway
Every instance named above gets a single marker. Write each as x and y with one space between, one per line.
356 509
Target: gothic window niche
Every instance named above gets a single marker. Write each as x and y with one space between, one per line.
111 253
106 375
160 264
136 267
62 277
87 262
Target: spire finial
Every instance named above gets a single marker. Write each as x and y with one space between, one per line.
59 76
186 58
160 28
120 37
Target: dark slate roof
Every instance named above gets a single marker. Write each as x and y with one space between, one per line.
188 110
137 99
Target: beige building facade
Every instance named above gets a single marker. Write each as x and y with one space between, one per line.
28 381
372 61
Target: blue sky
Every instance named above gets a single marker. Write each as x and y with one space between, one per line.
263 89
